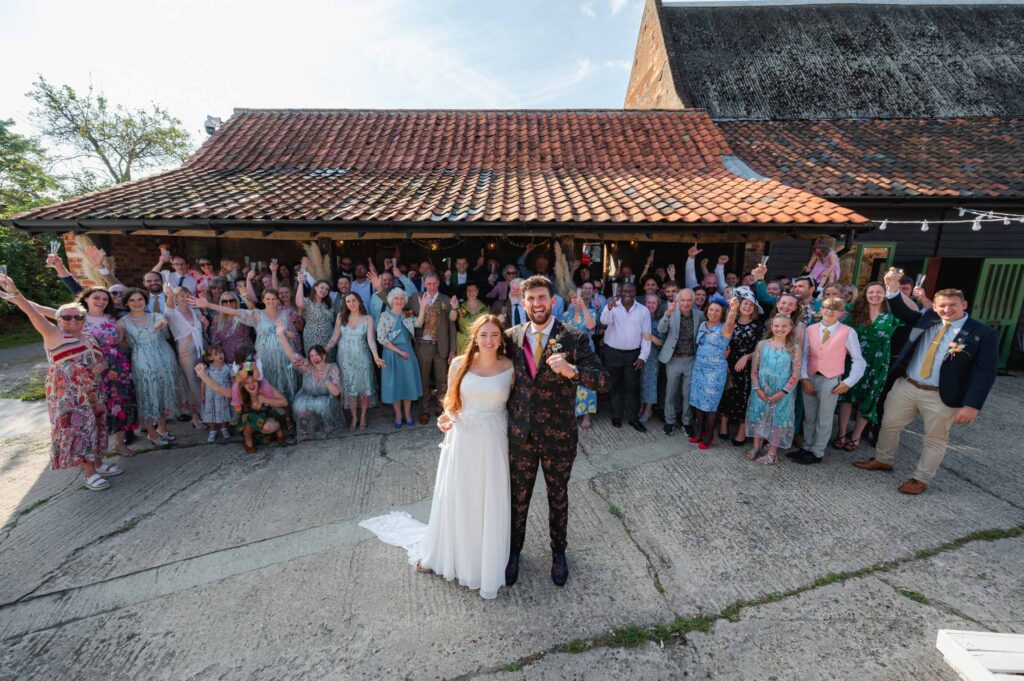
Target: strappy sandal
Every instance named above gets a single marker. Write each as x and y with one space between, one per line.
109 470
250 447
752 454
424 570
96 482
768 459
851 445
840 442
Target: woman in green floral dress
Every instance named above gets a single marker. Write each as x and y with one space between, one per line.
874 324
471 309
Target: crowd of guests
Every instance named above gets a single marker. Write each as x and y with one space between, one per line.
275 354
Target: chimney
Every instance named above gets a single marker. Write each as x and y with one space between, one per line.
212 124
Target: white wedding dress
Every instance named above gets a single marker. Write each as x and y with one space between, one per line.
467 537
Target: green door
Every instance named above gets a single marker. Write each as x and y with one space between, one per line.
998 299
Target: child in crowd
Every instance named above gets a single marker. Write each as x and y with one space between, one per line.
771 418
827 344
216 407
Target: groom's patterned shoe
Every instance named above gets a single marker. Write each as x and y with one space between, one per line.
559 569
512 569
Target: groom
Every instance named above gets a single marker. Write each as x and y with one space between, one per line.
550 360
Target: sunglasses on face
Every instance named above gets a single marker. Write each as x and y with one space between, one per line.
228 300
73 317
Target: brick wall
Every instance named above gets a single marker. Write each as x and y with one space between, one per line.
650 82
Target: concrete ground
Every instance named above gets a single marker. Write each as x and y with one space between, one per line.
204 563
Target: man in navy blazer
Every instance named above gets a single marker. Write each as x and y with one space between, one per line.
947 367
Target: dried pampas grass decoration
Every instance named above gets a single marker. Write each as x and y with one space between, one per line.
82 243
563 277
319 263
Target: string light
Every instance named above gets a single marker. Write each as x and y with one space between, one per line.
924 225
961 211
976 227
974 218
885 223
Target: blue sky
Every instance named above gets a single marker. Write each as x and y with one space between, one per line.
207 57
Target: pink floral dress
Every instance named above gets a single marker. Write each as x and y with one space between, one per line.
78 419
119 391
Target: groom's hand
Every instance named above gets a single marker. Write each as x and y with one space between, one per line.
561 366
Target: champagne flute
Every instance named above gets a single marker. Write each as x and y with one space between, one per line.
4 295
54 246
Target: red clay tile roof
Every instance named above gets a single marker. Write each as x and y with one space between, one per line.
462 166
899 158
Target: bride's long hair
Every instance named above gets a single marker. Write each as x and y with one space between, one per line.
453 400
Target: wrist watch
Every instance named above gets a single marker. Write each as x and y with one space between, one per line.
575 374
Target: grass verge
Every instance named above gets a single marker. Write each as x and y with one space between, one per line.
16 331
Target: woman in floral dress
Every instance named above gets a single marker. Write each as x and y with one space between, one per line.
875 325
465 314
276 367
160 388
649 374
317 313
228 331
745 335
580 317
117 387
356 358
78 420
316 409
296 324
775 371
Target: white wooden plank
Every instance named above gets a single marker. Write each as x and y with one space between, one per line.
1000 663
959 659
983 640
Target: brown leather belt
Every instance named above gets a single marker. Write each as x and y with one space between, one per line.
922 386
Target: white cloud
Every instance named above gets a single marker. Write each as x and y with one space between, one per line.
621 64
618 6
559 82
587 9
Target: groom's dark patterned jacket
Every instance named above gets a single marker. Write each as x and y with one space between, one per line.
545 405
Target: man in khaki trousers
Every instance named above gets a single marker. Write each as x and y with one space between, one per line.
435 342
947 368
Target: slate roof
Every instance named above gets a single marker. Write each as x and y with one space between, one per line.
841 159
358 166
815 61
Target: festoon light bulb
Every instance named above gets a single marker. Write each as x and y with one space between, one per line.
924 226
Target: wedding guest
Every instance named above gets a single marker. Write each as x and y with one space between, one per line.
316 408
179 276
357 356
187 326
435 343
213 290
228 332
581 317
500 290
74 400
117 292
649 374
709 282
343 287
160 388
205 275
875 325
511 310
156 300
948 367
802 289
827 345
823 267
400 381
745 336
117 388
276 367
625 352
255 404
317 313
455 283
361 285
650 286
680 323
296 324
465 314
711 367
216 406
775 372
700 299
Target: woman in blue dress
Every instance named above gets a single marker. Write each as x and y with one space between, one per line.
580 317
649 375
400 382
711 367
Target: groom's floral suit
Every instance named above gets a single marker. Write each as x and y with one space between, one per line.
542 425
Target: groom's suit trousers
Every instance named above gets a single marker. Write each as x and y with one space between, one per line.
557 466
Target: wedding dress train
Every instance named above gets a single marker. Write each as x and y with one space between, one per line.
467 537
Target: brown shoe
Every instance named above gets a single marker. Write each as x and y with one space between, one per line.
873 465
912 487
424 418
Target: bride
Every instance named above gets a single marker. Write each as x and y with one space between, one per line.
467 537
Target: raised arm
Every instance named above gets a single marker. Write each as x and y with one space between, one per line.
300 295
203 304
250 291
691 267
723 260
897 305
211 384
282 337
730 319
53 260
51 334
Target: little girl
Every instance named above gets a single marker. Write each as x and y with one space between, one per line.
775 373
216 408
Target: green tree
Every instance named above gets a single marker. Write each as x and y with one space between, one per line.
25 183
121 140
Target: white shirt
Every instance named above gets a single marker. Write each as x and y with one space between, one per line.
163 302
186 281
181 328
625 329
531 334
857 365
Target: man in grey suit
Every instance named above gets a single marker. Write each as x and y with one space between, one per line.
680 321
435 341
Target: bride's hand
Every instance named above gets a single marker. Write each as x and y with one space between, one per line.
445 422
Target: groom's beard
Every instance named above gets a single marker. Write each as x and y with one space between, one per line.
539 319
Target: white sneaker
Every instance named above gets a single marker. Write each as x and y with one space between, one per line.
225 433
212 437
